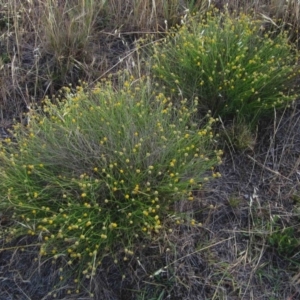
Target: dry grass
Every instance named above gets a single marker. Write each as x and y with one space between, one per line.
229 255
47 44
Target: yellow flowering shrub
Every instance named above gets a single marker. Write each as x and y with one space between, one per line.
230 63
100 169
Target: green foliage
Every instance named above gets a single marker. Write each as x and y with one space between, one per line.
234 202
283 239
99 170
285 242
233 66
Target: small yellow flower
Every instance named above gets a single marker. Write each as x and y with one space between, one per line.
113 225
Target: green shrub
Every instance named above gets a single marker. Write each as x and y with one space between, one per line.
285 242
100 170
235 68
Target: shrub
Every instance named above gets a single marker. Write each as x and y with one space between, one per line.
100 170
235 68
284 239
285 242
